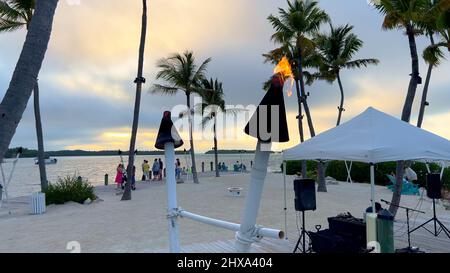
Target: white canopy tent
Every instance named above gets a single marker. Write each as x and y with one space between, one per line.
373 137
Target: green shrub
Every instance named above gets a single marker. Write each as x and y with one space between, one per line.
67 189
361 171
294 167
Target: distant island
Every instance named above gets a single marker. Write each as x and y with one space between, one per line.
231 152
29 153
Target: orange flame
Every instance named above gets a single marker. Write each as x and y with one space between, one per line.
285 70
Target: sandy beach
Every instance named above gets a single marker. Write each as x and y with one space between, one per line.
140 225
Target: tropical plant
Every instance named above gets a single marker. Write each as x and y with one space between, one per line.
140 80
69 189
407 15
439 23
295 26
26 72
15 15
181 73
311 61
213 103
337 49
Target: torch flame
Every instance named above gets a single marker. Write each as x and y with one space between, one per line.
285 70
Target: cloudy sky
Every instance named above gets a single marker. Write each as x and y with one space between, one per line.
87 90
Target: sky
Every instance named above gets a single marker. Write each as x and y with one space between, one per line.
87 89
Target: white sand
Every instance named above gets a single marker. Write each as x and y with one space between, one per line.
140 225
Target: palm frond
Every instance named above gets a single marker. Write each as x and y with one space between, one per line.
162 89
7 25
9 12
200 73
361 63
433 54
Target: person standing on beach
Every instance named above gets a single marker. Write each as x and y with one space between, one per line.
178 169
161 169
119 176
155 169
146 170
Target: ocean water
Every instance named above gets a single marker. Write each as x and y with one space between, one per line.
26 176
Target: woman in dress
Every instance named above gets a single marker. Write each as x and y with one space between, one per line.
119 176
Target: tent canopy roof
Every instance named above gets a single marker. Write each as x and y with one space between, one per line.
373 137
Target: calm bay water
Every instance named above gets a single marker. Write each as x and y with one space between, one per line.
26 176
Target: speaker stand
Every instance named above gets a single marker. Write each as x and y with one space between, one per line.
302 238
438 226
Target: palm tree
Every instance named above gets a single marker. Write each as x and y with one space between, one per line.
337 50
15 15
439 24
407 15
310 61
295 25
26 72
213 103
137 105
181 73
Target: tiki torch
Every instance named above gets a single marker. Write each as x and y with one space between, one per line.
268 124
168 139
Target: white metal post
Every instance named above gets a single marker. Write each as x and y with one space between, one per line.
245 236
169 152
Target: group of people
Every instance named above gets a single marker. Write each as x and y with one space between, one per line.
222 167
239 167
155 171
121 177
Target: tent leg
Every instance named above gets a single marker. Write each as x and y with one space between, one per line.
349 171
285 199
372 186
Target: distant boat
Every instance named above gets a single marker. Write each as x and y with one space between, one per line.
47 161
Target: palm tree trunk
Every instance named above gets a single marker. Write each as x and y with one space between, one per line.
304 94
341 105
300 126
191 140
216 156
27 70
423 103
322 187
40 139
406 114
137 104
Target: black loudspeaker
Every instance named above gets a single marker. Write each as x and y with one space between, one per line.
305 194
434 186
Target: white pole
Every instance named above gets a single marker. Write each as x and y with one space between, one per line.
10 177
372 186
169 153
263 232
246 235
285 198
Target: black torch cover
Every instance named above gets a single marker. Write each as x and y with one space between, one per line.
167 133
269 123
